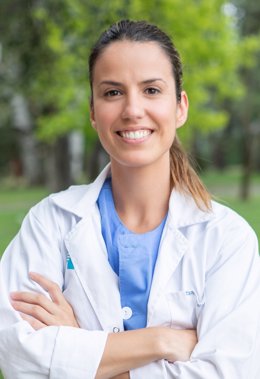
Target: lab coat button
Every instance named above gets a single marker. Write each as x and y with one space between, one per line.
116 329
127 313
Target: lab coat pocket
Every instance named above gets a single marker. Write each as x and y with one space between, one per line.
185 307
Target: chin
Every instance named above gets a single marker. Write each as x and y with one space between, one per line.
141 159
134 163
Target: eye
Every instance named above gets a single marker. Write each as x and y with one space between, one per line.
152 91
112 92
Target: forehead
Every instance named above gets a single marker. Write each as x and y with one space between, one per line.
132 57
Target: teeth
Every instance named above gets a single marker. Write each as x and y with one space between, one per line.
138 134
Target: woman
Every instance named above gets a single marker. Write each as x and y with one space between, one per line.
142 276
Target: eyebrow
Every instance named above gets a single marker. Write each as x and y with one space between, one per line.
113 83
153 80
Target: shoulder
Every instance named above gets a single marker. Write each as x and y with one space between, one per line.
65 200
219 232
229 236
57 214
62 210
69 198
228 220
185 213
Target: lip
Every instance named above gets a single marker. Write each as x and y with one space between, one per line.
134 129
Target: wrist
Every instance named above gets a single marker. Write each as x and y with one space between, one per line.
161 345
176 344
168 344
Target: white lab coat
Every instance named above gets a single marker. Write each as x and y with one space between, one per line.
207 276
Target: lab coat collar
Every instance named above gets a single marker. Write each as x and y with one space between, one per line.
183 211
79 199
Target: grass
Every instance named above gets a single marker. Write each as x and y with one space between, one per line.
225 187
14 203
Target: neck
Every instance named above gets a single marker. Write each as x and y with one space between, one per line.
141 194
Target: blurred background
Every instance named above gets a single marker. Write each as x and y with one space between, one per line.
46 141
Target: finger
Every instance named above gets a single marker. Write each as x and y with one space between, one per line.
35 324
34 311
59 318
51 287
34 299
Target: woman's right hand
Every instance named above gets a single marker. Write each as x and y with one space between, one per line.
177 344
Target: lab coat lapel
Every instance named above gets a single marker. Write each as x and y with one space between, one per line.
183 212
172 248
88 254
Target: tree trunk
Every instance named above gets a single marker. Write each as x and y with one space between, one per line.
97 161
58 173
247 161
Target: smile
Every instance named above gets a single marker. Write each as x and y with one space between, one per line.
135 135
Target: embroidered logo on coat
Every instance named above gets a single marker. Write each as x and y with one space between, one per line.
189 293
70 265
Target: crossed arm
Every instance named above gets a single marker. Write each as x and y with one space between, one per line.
123 351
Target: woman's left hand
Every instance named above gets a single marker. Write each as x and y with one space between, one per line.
39 310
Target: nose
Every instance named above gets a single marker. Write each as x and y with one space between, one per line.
133 107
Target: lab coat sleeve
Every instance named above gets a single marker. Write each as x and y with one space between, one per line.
228 326
51 352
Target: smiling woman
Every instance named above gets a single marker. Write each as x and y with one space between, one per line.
134 105
129 277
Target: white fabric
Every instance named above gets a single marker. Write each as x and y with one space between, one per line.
207 277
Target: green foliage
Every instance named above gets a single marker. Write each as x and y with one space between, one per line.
57 36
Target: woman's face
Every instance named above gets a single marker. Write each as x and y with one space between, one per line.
135 111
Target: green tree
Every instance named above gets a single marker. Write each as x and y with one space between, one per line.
204 34
47 44
247 110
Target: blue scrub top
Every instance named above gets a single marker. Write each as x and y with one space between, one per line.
132 256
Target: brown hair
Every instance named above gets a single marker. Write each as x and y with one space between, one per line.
183 176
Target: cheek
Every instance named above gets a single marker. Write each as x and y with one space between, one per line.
105 116
165 111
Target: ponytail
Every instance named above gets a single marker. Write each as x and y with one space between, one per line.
185 179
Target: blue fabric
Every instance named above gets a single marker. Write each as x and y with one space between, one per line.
132 256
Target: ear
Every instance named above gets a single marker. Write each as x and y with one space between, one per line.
182 110
92 116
